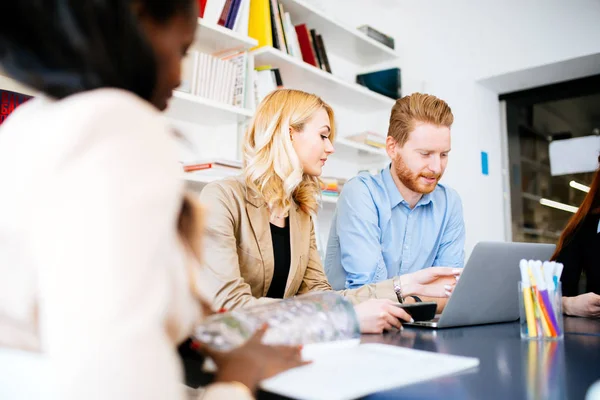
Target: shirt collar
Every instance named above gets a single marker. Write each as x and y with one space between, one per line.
394 194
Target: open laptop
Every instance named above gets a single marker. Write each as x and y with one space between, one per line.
487 289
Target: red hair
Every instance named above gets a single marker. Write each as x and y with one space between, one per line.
590 205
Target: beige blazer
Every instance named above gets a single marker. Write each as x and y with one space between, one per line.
239 260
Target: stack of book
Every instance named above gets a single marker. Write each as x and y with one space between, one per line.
332 187
223 77
272 26
232 14
369 138
378 36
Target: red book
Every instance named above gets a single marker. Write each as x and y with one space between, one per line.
308 53
225 13
201 7
197 167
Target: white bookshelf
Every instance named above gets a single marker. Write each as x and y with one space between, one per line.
195 109
344 41
349 149
211 38
329 200
296 74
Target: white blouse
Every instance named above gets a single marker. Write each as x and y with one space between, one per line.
92 274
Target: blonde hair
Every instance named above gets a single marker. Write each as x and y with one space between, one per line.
271 166
417 107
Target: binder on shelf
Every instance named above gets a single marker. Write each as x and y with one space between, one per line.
386 82
321 50
259 26
313 41
306 48
277 29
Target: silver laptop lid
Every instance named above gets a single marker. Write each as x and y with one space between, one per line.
487 289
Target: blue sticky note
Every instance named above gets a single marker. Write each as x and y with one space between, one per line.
484 163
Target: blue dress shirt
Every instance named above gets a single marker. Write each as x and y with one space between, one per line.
375 235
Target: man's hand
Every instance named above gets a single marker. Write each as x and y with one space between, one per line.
431 282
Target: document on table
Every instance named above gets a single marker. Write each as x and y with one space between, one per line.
341 372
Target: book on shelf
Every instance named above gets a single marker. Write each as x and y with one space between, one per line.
272 26
219 166
291 37
231 14
259 26
308 51
326 325
332 187
222 78
323 54
373 33
369 138
386 82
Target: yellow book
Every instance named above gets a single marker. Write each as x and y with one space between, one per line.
259 26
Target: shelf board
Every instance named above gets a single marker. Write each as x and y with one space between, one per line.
195 109
541 232
297 74
211 38
329 200
346 148
346 42
7 83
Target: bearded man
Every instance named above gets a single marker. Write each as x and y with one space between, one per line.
401 220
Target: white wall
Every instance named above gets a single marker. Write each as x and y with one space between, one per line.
447 48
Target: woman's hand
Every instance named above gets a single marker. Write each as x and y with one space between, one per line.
253 361
378 315
585 305
430 282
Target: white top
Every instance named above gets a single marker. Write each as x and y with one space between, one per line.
92 274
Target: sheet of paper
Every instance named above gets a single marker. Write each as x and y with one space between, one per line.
348 372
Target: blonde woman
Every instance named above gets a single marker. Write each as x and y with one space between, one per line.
260 236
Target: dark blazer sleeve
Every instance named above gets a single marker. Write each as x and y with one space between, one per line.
570 257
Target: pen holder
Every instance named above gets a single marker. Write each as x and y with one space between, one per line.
540 313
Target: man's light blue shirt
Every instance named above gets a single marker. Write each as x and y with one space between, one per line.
375 235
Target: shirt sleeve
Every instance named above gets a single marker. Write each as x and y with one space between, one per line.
103 232
359 234
451 252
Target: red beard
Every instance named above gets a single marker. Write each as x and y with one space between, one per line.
412 181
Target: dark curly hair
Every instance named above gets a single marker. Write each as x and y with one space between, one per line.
63 47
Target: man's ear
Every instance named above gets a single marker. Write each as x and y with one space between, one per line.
390 147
